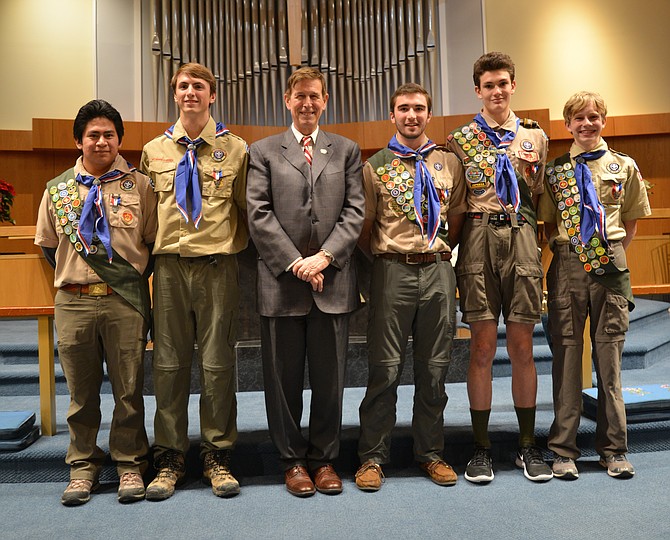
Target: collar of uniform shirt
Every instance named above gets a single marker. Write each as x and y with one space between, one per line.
298 136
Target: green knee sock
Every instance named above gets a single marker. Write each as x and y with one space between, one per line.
480 427
526 418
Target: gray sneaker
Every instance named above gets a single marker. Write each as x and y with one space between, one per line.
529 458
480 467
564 468
618 466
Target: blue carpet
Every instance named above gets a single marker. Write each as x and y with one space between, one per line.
594 507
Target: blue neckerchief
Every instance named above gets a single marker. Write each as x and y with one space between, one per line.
507 185
93 217
423 181
186 181
591 210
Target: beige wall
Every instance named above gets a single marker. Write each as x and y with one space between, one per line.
619 48
616 47
47 59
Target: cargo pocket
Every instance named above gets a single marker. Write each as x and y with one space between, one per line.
471 286
560 316
616 314
527 290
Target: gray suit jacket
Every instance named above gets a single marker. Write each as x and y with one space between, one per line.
296 211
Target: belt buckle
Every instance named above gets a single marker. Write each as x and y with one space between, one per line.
97 289
409 260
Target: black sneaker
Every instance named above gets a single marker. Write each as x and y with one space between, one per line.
530 459
480 467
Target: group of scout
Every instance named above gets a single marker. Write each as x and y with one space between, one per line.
105 227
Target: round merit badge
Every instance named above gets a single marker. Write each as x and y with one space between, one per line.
127 217
527 145
218 155
473 175
613 167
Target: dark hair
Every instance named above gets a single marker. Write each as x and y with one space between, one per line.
97 108
492 61
411 88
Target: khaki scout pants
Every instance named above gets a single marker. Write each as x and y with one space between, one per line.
572 296
417 299
195 300
92 330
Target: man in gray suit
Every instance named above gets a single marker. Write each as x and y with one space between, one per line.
305 203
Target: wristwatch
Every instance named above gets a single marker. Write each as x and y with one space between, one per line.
327 254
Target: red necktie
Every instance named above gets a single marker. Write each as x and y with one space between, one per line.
306 143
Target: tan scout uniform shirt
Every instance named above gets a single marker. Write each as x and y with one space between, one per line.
222 229
392 231
620 189
527 152
128 236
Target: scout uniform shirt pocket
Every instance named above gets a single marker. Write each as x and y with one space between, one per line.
124 210
611 188
164 178
217 181
528 161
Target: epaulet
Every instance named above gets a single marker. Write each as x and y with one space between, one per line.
530 124
618 153
231 134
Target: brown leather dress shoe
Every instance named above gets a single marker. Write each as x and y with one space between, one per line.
327 481
298 482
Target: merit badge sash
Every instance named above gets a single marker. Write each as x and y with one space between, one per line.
120 275
399 183
594 254
477 147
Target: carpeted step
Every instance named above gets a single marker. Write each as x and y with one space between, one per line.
255 455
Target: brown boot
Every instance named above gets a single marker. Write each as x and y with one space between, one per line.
171 473
216 472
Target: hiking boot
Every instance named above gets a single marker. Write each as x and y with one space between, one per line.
440 472
216 472
529 458
78 491
131 487
564 468
480 467
369 476
618 466
171 473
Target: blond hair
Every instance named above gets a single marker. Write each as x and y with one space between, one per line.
578 101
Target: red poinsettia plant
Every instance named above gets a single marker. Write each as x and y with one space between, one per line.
7 194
